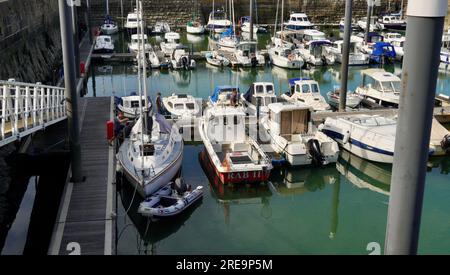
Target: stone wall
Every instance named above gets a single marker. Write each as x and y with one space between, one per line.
30 46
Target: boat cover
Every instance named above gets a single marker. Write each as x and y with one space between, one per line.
293 80
221 89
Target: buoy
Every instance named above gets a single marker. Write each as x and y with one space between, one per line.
109 130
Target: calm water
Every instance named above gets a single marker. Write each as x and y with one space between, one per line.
335 210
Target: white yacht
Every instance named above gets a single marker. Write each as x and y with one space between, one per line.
132 22
285 57
289 39
109 26
216 59
259 91
293 135
244 23
380 87
445 52
182 106
362 23
231 153
356 57
306 91
129 105
369 137
391 22
228 42
247 55
136 40
195 27
103 44
298 21
317 53
352 101
161 27
222 95
171 42
218 22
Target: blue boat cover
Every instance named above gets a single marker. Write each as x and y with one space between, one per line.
293 80
228 32
383 49
222 89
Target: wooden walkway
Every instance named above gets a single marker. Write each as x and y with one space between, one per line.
85 224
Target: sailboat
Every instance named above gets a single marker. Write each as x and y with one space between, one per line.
152 154
109 25
195 26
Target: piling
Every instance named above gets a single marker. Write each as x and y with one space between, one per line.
345 55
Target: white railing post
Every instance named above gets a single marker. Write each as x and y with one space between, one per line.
35 102
47 109
16 110
4 105
27 106
41 109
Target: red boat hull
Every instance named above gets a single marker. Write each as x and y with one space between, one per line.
235 177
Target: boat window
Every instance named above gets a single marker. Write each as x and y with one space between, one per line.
306 89
269 89
269 100
190 106
225 120
179 106
132 20
294 19
236 120
259 89
315 88
135 104
148 150
107 39
170 104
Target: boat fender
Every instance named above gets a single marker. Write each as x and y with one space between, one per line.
445 144
110 130
313 146
346 137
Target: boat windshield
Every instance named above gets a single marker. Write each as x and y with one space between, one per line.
179 106
135 103
269 100
218 16
190 106
390 87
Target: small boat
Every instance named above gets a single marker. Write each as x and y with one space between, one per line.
398 42
195 27
181 59
306 90
298 21
259 91
103 44
161 28
244 23
353 100
391 22
362 24
136 41
380 87
234 156
168 202
222 95
182 106
171 42
129 105
383 52
288 39
109 26
369 137
218 22
247 55
445 52
317 53
228 41
132 23
284 57
342 24
216 59
356 58
293 135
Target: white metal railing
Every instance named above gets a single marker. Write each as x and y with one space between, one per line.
26 108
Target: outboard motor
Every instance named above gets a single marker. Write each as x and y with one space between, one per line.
313 146
185 62
180 186
254 61
445 144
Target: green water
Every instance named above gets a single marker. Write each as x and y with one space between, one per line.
335 210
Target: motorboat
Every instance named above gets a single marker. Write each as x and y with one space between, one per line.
136 43
171 42
356 57
298 21
104 44
352 100
380 87
151 157
216 59
182 106
445 52
306 91
228 41
289 39
391 22
354 24
233 155
218 22
263 92
285 57
369 137
222 95
244 23
153 58
293 134
161 28
181 59
383 52
247 54
399 47
170 200
195 27
129 105
109 26
317 53
362 24
132 23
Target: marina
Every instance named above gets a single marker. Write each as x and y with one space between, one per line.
200 140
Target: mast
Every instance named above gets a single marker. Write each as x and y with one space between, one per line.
282 17
234 22
139 72
107 7
276 21
144 64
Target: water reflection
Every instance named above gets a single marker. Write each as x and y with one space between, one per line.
365 174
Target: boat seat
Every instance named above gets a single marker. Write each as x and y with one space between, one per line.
240 147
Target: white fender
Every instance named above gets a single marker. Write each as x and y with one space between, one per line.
346 137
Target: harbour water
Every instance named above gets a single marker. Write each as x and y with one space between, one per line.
338 209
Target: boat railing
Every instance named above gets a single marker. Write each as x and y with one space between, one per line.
26 108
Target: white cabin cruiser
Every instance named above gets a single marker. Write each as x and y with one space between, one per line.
228 42
222 96
352 101
298 21
171 42
362 23
231 153
132 22
150 163
317 53
284 57
181 59
182 106
247 55
218 22
103 44
369 137
109 26
195 27
136 41
356 57
161 27
244 23
293 135
380 87
216 59
129 105
445 52
289 39
263 92
306 91
391 22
